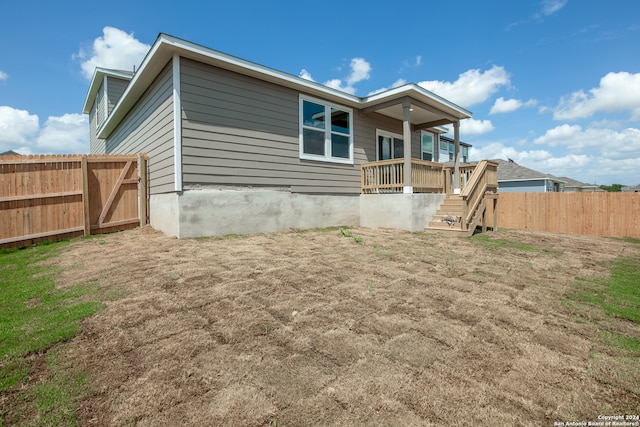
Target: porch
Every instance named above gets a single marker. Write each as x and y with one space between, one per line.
468 202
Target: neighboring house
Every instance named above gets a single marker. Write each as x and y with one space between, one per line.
237 147
447 150
9 153
631 189
513 178
573 186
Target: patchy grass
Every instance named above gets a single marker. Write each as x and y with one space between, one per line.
612 306
35 317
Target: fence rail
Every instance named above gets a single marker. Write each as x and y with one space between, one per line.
591 214
49 197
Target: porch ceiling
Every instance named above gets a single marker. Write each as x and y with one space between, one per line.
422 114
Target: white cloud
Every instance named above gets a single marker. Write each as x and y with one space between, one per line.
595 155
472 87
21 132
475 127
115 49
3 75
397 83
509 105
360 70
306 75
16 127
609 143
67 134
617 92
549 7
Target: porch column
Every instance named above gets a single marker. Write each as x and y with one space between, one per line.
456 157
406 135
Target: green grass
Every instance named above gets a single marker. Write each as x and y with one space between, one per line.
492 243
35 317
612 305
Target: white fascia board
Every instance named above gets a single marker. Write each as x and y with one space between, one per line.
96 81
223 60
411 89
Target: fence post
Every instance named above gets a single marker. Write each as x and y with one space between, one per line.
85 196
142 189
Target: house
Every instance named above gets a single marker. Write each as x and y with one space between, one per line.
513 178
631 189
237 147
573 186
9 153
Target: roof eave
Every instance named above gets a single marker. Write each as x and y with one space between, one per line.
166 46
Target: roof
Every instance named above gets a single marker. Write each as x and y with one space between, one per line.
572 183
9 153
631 188
510 171
96 81
428 109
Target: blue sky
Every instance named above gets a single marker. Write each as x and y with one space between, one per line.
552 84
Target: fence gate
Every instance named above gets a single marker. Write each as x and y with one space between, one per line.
52 197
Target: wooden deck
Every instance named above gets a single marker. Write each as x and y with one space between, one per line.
479 186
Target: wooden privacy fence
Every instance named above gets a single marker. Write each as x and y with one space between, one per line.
592 214
51 197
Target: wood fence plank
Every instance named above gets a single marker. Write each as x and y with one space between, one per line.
592 214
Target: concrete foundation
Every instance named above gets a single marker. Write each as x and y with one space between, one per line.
214 212
210 212
409 212
163 213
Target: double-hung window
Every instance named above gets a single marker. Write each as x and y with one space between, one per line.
326 131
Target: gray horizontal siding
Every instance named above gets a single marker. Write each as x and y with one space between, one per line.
148 128
101 114
115 89
534 186
238 130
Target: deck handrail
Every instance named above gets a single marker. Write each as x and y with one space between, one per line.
483 179
388 176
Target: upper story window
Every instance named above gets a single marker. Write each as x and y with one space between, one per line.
326 131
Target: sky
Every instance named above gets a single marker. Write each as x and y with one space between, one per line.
552 84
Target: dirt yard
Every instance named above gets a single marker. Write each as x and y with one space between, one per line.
315 328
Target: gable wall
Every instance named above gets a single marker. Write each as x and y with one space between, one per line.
241 131
148 128
115 89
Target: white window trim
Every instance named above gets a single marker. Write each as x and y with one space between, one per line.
327 142
379 133
434 140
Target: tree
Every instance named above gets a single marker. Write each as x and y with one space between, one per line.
612 188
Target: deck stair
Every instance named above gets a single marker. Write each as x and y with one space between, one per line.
453 206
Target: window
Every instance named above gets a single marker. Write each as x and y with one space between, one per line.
465 154
325 131
451 151
427 146
390 146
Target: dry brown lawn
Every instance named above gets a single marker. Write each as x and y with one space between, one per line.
314 328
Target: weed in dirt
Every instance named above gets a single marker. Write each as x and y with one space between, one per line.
35 316
345 232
